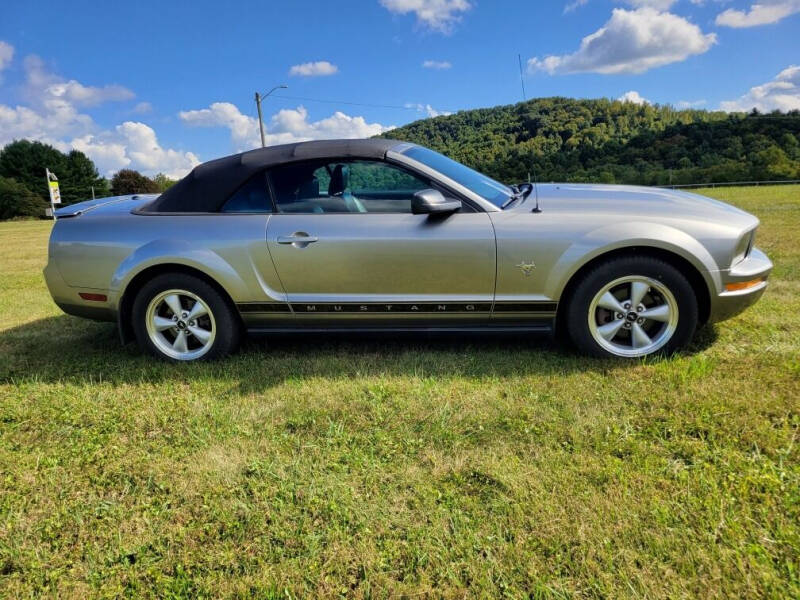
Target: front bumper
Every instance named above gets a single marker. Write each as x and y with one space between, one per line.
727 304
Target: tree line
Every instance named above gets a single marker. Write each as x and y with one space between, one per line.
608 141
23 187
553 139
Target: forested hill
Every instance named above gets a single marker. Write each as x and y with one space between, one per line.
614 142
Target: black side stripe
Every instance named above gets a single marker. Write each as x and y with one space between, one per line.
394 307
398 307
263 307
525 307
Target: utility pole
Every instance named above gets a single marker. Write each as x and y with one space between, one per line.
260 119
259 98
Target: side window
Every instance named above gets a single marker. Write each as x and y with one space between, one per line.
323 177
371 177
301 188
384 188
344 187
252 197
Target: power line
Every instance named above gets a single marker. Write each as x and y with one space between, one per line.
418 107
415 107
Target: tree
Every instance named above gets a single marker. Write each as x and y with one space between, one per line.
79 177
128 181
18 201
26 161
163 182
605 140
773 163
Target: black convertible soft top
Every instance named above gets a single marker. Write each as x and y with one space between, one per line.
207 187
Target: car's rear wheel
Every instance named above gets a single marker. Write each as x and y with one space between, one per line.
182 318
632 307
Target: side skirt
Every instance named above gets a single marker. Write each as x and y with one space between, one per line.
501 317
531 309
544 328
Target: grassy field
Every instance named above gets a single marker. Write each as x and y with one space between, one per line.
491 467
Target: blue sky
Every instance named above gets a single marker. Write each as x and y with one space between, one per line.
160 86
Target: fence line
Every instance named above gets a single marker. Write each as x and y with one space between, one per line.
730 184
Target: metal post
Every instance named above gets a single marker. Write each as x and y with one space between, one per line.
92 192
52 206
260 120
259 98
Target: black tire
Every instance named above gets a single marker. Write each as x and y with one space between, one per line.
578 305
227 326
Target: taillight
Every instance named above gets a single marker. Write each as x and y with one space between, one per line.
93 297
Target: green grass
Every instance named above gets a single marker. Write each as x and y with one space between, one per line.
411 466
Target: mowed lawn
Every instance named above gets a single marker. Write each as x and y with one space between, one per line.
401 467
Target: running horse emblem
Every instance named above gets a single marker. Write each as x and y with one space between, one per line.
527 268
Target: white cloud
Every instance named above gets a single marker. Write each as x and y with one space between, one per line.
129 145
82 95
438 15
243 128
762 13
6 54
145 151
428 110
56 121
633 97
53 117
571 6
437 64
657 4
286 126
108 155
314 69
42 86
142 108
631 42
782 93
293 125
136 146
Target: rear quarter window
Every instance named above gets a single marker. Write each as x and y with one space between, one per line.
252 197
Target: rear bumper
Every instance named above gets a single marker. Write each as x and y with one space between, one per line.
67 298
727 304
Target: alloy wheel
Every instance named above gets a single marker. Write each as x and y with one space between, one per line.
180 324
633 316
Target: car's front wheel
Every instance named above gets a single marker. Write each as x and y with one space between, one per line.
632 307
182 318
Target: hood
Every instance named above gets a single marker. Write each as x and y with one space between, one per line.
636 201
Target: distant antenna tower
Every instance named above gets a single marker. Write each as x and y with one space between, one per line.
522 78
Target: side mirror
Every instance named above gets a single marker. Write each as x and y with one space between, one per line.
432 202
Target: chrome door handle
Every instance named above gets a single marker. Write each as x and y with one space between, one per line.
297 239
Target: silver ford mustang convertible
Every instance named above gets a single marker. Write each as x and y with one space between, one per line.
378 235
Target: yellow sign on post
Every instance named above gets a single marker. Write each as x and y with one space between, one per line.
55 195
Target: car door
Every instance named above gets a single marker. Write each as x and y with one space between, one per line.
349 251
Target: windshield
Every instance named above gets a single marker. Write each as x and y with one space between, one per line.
486 187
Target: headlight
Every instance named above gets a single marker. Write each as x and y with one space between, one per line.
744 247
